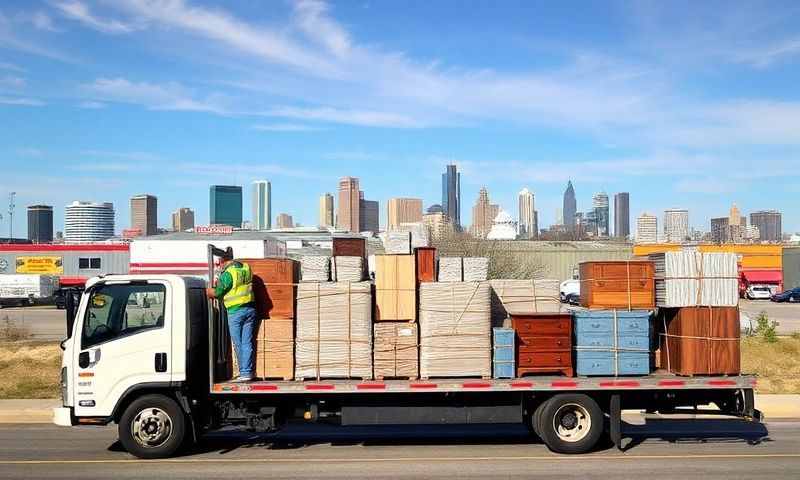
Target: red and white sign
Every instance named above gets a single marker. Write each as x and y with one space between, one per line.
214 229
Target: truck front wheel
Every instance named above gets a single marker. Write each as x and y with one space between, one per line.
152 426
570 423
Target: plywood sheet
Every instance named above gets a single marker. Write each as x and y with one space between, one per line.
395 288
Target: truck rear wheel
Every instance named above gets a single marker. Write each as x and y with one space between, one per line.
570 423
152 426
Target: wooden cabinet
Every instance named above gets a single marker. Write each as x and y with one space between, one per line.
349 247
426 264
618 284
544 343
700 340
395 288
273 286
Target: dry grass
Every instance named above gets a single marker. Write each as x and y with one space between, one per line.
29 369
776 364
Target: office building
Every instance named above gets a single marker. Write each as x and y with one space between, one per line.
768 223
622 215
719 229
86 222
144 214
262 205
735 218
676 225
326 219
369 214
182 219
647 228
403 210
483 214
601 212
225 205
438 223
527 226
451 195
40 223
284 220
348 216
570 207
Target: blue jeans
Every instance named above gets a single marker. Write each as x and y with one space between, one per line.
242 325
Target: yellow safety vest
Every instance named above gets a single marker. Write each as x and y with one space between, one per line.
241 291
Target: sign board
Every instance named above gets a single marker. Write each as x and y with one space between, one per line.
41 265
214 229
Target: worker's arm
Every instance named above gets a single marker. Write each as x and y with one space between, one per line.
224 284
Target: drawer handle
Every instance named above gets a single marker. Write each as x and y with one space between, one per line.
558 343
596 365
595 325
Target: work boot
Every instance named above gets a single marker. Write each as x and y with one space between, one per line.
242 379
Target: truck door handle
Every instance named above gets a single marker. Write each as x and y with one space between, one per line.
161 362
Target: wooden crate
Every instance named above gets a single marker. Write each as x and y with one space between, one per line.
274 348
544 343
700 340
426 264
395 350
395 288
617 284
349 247
273 286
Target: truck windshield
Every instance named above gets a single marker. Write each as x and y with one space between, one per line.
120 310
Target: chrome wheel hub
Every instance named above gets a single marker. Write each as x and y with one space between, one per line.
572 422
151 427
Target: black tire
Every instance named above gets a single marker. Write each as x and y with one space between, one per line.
536 419
158 412
581 420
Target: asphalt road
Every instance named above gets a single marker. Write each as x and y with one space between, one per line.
786 314
717 448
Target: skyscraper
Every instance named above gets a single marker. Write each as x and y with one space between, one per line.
40 223
183 219
483 214
262 205
676 225
369 214
348 216
437 222
326 211
144 214
403 210
734 217
225 205
86 222
527 227
769 225
600 205
284 220
451 195
570 207
719 229
646 228
622 215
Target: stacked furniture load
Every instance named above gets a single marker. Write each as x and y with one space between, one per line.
613 342
315 268
397 243
455 324
426 264
523 296
274 281
396 350
691 278
451 269
617 284
503 353
463 269
349 262
395 288
334 330
544 343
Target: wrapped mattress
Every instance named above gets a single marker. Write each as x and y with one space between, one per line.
691 278
348 269
450 269
476 269
523 296
315 268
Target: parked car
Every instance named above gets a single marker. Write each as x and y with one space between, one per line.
568 287
758 292
792 295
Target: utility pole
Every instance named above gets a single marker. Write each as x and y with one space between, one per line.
11 216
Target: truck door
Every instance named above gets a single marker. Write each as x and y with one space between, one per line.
124 339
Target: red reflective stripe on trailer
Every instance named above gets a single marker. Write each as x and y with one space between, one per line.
170 264
423 385
263 388
721 383
320 386
521 384
619 383
563 384
476 385
671 383
371 386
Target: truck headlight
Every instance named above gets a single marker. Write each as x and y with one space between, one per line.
64 389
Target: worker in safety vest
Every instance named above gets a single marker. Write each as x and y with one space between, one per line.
234 289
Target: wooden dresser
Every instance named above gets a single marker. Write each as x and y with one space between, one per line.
544 343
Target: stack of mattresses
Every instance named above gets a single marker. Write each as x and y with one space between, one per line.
691 278
348 269
315 268
700 340
476 269
451 269
455 326
523 296
334 330
397 243
395 350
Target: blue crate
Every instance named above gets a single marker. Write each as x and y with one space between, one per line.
503 354
503 370
590 363
503 336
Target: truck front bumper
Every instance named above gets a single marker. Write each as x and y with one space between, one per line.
62 416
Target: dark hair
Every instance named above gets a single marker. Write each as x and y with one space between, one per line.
228 255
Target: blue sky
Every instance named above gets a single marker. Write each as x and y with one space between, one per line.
683 104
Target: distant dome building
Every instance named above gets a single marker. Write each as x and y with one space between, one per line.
503 227
435 208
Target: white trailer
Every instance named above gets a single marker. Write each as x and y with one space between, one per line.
21 289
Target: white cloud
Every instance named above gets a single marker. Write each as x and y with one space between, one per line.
42 21
170 96
285 127
92 105
12 39
21 101
312 18
351 117
80 11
